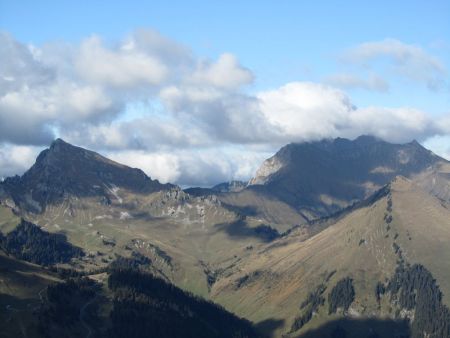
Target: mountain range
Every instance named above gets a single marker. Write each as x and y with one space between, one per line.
333 238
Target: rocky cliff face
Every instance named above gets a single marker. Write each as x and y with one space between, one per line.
321 177
232 186
66 170
269 167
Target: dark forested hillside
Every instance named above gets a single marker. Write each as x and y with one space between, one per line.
63 301
135 304
413 288
146 306
341 296
28 242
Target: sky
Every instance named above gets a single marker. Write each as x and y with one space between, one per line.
201 92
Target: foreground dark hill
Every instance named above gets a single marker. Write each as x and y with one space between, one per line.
123 300
319 178
66 170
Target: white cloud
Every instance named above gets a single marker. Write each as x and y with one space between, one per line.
152 43
225 73
149 133
195 167
164 167
125 66
206 129
224 116
391 124
207 167
308 111
36 97
29 114
444 124
19 66
408 60
349 81
74 88
16 159
440 145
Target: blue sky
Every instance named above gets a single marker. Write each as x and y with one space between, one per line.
279 41
388 56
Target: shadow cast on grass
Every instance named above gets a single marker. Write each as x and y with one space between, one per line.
268 327
360 328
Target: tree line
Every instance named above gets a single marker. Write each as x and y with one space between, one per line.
30 243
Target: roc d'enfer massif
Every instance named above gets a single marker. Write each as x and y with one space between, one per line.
238 169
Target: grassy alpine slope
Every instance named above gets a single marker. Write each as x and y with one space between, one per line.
363 245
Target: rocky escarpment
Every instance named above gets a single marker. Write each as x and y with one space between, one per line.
232 186
65 170
319 178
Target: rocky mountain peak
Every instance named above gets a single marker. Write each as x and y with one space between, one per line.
59 143
323 176
64 169
367 139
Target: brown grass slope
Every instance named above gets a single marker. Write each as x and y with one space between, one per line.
273 282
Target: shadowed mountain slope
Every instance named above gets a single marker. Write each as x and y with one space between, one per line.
318 178
64 169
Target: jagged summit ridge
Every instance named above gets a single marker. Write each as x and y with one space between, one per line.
284 155
231 186
321 177
64 169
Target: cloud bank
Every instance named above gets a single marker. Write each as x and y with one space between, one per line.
409 61
149 102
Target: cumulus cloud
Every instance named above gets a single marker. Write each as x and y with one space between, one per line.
16 159
300 111
86 85
19 66
408 60
310 111
152 43
305 110
146 133
392 124
195 167
206 167
35 99
161 166
29 114
226 73
126 66
196 123
224 116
